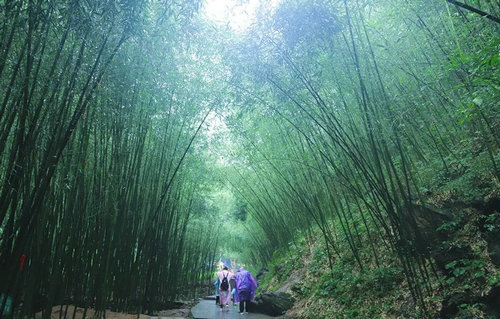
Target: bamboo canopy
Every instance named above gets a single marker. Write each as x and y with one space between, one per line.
140 142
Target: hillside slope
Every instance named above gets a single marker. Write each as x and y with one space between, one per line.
462 238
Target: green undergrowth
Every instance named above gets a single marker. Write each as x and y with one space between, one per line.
462 274
344 291
467 176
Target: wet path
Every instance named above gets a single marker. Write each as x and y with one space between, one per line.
206 309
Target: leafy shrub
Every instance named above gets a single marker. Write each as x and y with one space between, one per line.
466 268
342 284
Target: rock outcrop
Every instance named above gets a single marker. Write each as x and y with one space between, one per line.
272 304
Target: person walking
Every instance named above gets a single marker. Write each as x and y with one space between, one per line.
216 284
245 288
225 277
233 292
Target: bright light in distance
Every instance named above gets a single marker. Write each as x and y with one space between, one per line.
238 14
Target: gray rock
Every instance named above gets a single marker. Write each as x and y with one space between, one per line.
273 304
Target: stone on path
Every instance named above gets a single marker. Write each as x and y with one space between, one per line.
213 297
206 309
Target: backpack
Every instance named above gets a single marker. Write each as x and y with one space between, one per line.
224 285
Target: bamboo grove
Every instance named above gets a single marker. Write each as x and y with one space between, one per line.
359 103
338 113
97 128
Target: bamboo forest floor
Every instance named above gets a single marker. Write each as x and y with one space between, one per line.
167 314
